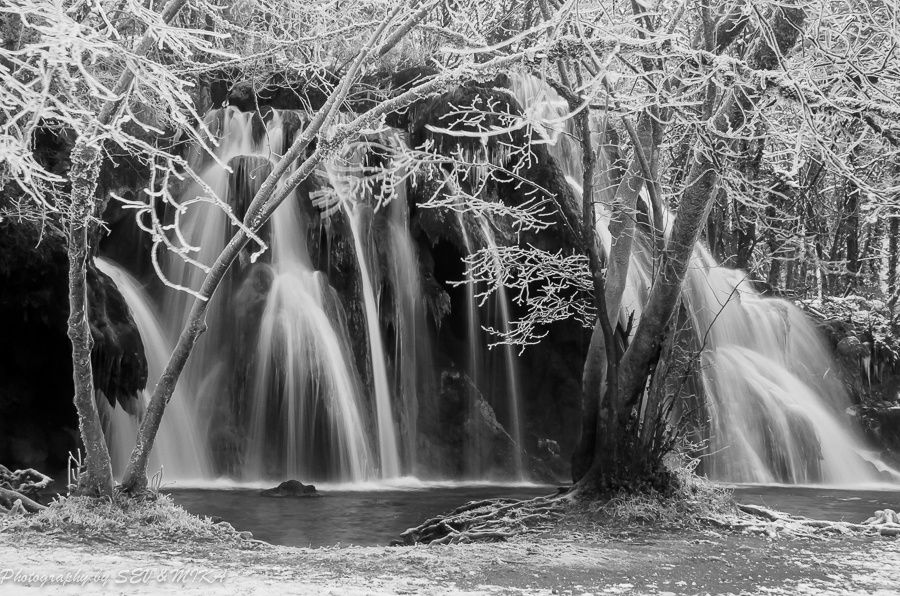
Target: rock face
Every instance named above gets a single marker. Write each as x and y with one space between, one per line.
38 426
864 337
881 423
465 438
291 488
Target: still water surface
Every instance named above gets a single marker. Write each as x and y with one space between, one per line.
379 515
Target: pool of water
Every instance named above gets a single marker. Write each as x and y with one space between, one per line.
361 517
378 514
833 504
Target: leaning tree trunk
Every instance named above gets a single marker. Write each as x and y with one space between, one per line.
96 476
269 196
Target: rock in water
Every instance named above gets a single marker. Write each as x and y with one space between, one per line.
291 488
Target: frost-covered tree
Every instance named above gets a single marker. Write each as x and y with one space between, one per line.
107 75
451 42
701 104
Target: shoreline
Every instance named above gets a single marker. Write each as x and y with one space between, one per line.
566 560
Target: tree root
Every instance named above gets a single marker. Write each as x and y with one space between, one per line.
767 522
14 500
28 482
496 520
491 520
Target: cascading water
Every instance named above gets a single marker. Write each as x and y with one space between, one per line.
387 433
303 407
279 359
178 450
772 390
351 196
774 400
413 360
303 390
514 396
511 411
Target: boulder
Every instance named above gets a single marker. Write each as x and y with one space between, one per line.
291 488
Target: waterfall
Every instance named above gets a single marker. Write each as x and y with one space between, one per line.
513 395
473 338
304 396
413 359
179 449
384 412
275 389
775 402
511 412
300 399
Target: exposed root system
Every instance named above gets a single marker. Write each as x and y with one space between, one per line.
16 502
495 520
491 520
767 522
17 490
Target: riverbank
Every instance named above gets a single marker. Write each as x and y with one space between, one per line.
565 560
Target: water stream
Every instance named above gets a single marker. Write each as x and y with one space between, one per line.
178 451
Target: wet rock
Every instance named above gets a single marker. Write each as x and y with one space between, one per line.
291 488
881 423
464 438
38 425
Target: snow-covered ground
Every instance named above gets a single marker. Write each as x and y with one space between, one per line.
643 561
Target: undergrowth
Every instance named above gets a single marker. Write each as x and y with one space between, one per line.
691 502
153 518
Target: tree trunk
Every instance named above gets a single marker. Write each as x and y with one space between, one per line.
593 381
623 217
96 477
601 360
852 229
893 249
639 360
773 279
745 236
790 272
